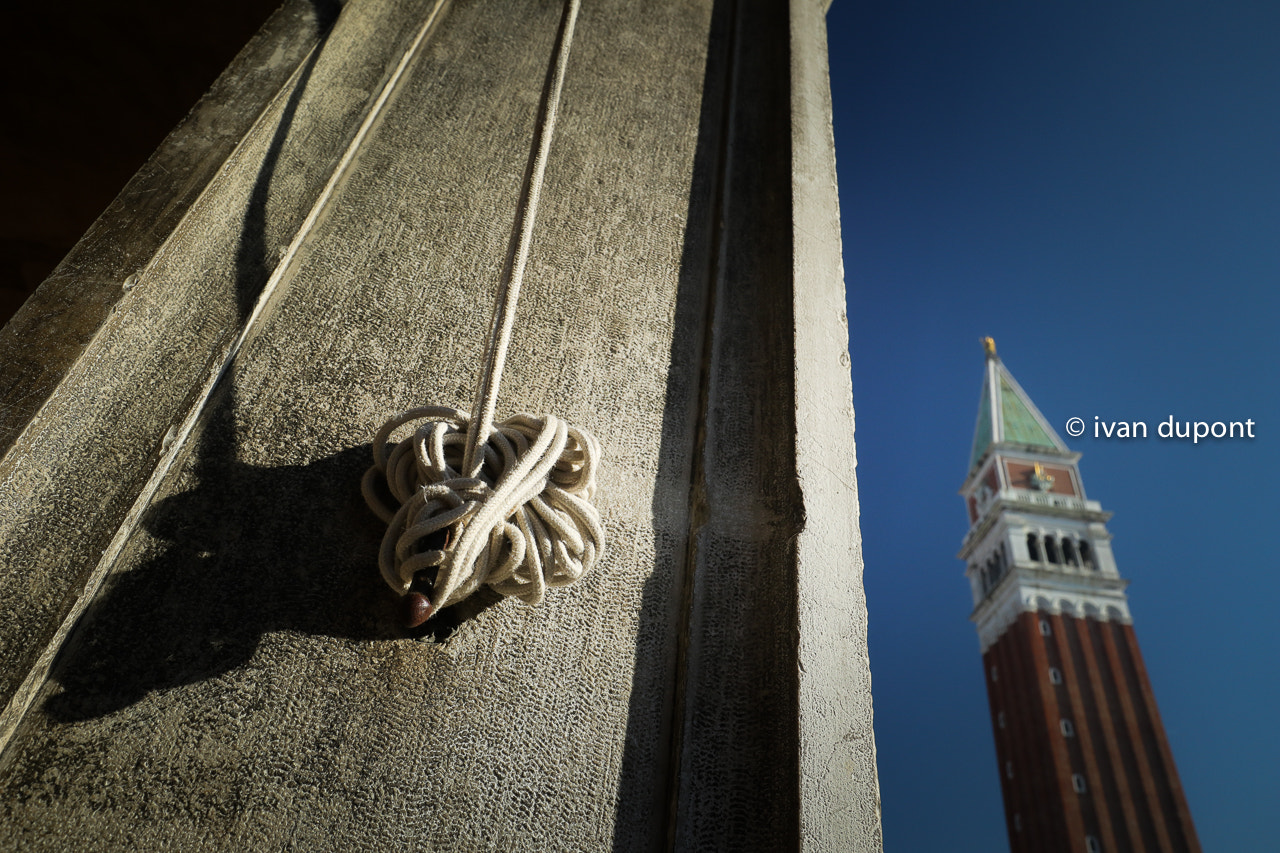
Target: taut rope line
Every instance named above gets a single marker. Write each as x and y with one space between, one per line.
504 307
507 504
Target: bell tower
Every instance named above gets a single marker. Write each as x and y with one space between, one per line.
1084 763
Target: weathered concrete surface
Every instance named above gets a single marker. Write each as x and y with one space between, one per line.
74 469
53 328
236 683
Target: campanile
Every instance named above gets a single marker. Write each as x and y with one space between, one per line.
1084 763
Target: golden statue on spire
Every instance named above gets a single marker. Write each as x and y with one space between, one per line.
989 345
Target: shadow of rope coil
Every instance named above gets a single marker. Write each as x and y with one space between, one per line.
524 524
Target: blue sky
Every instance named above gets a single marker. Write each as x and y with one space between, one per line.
1097 186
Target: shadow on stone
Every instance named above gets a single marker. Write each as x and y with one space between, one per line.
248 551
648 783
711 758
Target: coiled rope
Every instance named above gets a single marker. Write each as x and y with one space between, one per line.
507 504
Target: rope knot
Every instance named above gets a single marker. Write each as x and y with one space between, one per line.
505 504
522 523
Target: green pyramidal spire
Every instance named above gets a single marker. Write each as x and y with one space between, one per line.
1006 414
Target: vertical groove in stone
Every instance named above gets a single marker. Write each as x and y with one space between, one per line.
715 129
740 681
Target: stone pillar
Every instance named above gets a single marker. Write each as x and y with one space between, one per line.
196 650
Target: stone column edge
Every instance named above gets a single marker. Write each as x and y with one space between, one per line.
839 788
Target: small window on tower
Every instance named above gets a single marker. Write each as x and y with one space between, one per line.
1091 845
1086 556
995 674
1008 769
1051 550
1077 782
1069 552
1068 730
1045 630
1055 675
1000 719
1033 547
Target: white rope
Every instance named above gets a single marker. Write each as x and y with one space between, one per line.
504 307
506 505
525 524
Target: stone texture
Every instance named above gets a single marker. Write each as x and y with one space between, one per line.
839 791
75 468
237 681
56 324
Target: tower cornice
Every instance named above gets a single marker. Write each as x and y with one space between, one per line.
1032 590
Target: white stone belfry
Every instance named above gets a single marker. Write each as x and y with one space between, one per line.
1035 542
